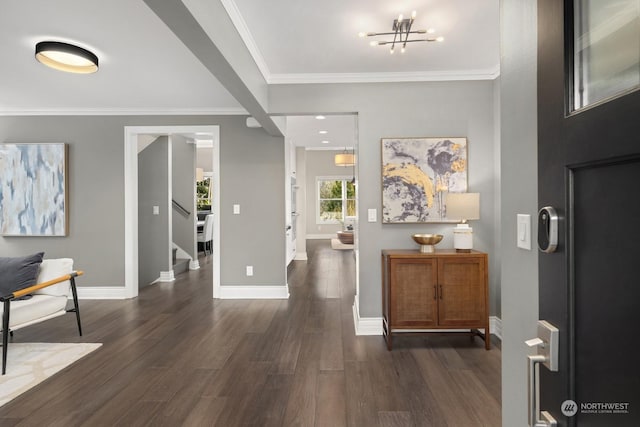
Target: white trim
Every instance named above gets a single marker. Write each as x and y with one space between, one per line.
166 276
301 256
365 325
495 326
254 292
124 112
131 199
243 30
340 149
419 76
194 265
321 236
101 292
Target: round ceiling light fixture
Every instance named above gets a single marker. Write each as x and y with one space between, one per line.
66 57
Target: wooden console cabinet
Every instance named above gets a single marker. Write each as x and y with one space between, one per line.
426 292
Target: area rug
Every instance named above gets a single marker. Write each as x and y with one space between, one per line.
28 364
338 245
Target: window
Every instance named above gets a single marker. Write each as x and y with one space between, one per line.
336 200
606 47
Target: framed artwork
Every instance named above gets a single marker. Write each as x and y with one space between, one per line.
33 190
416 175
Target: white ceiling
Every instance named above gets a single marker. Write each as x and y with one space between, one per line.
143 66
306 41
304 131
145 69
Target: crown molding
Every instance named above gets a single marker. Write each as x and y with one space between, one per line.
243 30
26 111
426 76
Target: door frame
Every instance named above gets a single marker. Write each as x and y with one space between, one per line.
131 199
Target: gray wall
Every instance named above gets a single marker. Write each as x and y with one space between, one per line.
321 163
518 135
153 230
183 191
406 109
252 164
205 159
252 176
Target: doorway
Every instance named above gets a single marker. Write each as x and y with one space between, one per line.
131 197
322 192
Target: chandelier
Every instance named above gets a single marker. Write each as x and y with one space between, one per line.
401 30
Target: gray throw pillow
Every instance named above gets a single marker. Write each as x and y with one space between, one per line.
19 272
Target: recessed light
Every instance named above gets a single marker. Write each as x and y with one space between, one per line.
323 132
325 142
320 117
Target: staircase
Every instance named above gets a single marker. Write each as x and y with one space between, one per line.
180 265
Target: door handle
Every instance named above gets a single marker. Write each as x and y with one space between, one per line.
533 374
547 346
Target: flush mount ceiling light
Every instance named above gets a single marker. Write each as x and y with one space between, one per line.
66 57
401 30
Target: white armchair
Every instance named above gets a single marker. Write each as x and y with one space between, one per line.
56 281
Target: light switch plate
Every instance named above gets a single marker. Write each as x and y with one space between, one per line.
236 209
372 215
156 210
523 233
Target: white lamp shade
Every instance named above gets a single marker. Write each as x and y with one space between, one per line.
463 206
345 159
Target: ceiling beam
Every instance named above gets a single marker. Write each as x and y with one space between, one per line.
250 91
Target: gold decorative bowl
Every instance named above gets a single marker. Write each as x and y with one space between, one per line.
427 241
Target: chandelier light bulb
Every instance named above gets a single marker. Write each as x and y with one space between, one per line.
413 14
431 30
362 34
400 18
374 43
402 50
440 39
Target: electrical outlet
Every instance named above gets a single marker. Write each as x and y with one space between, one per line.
249 270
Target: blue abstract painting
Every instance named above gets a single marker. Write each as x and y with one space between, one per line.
33 193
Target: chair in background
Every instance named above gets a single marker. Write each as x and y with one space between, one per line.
206 236
56 281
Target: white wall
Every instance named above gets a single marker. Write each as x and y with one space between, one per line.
518 142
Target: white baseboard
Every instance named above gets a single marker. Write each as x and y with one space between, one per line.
101 292
166 276
321 236
254 292
301 256
366 325
495 326
194 265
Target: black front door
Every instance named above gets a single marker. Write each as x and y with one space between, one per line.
589 171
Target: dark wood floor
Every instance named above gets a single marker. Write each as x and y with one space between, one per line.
174 356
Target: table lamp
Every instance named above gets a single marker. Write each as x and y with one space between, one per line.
463 207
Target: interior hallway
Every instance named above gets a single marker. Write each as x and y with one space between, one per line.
174 356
